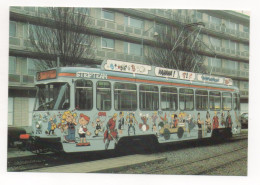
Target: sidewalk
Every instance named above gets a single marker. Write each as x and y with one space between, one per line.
16 152
104 165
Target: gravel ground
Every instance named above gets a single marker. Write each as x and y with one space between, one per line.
180 153
238 168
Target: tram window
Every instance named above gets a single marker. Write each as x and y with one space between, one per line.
103 96
84 95
226 101
186 99
125 96
235 101
201 100
214 100
53 96
169 98
149 97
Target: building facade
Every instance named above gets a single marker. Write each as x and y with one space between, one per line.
125 35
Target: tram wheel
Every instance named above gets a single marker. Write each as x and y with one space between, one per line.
166 134
180 132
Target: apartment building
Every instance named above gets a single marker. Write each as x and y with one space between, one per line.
126 35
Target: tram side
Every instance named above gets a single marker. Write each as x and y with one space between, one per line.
88 113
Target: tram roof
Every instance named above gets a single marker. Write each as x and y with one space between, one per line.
118 70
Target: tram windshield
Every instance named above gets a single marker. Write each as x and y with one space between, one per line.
52 96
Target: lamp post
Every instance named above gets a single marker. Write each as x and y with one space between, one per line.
143 32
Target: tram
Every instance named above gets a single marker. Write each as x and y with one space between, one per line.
80 109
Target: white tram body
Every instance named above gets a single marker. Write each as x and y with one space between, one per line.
89 109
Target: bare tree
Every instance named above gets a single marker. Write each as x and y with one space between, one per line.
61 32
178 47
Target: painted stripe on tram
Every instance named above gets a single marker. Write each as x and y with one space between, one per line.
153 82
166 83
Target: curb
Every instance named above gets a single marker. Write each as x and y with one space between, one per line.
103 166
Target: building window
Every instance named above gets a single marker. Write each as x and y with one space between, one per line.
84 39
10 110
246 66
84 95
246 47
197 14
103 96
214 100
133 49
186 98
214 20
233 26
232 45
169 98
12 29
26 31
236 83
226 101
107 43
201 100
245 29
43 10
33 66
233 65
160 28
245 85
125 96
130 21
215 41
84 11
12 65
149 97
108 15
214 62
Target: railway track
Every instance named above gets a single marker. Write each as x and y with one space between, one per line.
201 166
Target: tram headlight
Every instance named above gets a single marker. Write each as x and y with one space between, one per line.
38 125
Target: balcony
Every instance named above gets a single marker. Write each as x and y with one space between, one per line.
228 53
105 28
209 27
235 74
101 54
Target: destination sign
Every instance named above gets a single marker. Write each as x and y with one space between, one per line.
91 75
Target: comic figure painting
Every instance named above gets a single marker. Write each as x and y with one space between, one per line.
223 122
215 121
131 121
208 122
200 123
98 127
190 122
154 121
82 131
111 132
51 125
144 126
70 120
121 122
229 120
